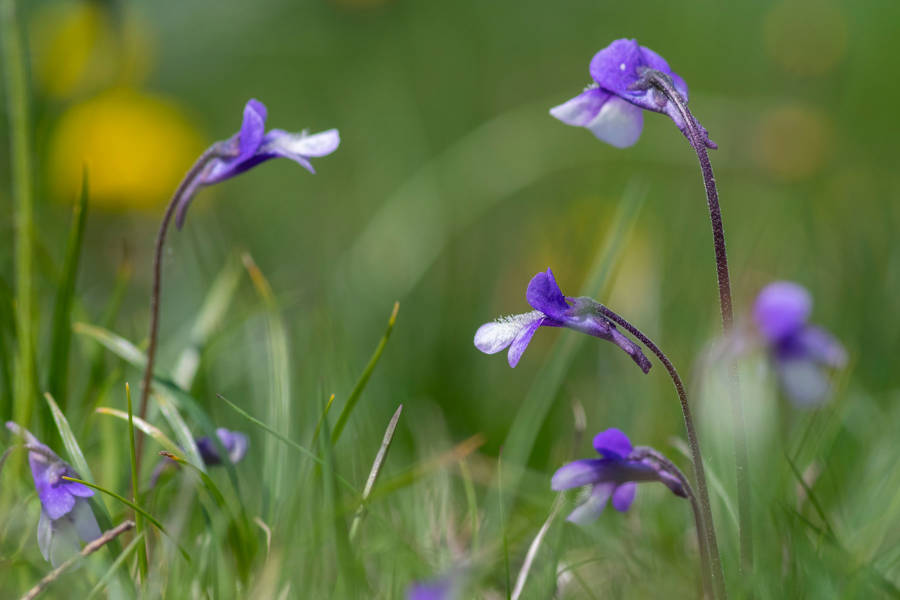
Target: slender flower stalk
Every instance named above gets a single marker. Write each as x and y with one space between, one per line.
697 137
710 549
223 160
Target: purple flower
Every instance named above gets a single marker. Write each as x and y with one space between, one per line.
801 353
612 106
552 309
234 442
615 476
253 145
436 589
66 515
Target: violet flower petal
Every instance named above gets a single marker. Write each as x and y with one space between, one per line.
822 347
804 381
624 496
85 522
543 294
591 509
521 342
253 129
613 443
610 119
578 473
781 309
497 335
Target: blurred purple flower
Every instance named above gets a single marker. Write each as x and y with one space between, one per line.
552 309
615 476
251 146
801 353
437 589
66 514
612 106
234 442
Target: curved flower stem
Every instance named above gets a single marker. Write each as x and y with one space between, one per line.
645 452
708 525
698 139
197 168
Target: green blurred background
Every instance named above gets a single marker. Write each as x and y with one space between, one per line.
453 186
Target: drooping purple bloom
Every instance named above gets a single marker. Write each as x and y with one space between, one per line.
552 309
615 476
801 353
612 106
251 146
234 442
66 514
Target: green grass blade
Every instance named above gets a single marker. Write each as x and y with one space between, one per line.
181 429
279 379
15 70
135 507
61 332
120 559
97 370
7 328
349 578
161 438
114 343
376 470
209 319
138 518
76 456
364 378
284 439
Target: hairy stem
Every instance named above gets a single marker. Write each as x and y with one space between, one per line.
710 549
213 152
699 140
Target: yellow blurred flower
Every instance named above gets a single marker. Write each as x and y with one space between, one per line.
136 147
77 48
793 141
806 37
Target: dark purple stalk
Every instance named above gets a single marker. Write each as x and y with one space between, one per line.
709 550
197 168
699 142
645 452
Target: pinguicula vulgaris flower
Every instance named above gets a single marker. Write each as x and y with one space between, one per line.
801 353
234 442
251 146
614 476
551 309
66 514
612 105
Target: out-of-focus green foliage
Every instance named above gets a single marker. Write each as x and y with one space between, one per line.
451 188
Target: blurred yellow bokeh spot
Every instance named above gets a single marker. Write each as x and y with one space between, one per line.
793 141
805 37
78 48
136 147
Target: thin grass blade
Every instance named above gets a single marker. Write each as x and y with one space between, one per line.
376 470
61 332
357 391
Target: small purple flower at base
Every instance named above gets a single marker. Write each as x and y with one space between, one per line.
552 309
612 106
251 146
66 515
444 588
234 442
615 476
801 353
